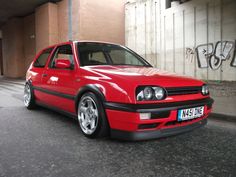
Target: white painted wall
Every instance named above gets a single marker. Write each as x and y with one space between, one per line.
177 39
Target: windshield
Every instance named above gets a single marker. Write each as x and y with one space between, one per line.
91 53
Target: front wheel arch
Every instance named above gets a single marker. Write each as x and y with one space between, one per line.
89 88
103 128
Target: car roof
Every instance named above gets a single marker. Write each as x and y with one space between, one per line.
78 41
102 42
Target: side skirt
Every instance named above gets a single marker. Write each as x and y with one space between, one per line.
66 113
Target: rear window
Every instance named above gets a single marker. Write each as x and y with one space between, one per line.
41 61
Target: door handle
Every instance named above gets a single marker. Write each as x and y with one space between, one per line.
44 75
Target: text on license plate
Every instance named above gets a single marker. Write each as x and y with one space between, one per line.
190 113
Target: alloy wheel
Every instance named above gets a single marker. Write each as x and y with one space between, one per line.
88 115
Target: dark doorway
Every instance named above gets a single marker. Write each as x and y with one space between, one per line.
1 60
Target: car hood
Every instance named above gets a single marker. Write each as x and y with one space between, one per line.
142 76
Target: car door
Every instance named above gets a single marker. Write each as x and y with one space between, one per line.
35 73
59 84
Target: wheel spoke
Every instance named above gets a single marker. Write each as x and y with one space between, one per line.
92 124
95 112
90 104
83 109
85 124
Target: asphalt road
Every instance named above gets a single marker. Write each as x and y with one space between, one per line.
43 143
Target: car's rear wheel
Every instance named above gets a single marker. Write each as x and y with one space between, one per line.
91 116
29 101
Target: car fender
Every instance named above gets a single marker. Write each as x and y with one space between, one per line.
89 88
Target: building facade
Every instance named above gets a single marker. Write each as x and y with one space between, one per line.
195 38
50 23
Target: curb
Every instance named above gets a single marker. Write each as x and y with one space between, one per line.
222 117
14 82
17 83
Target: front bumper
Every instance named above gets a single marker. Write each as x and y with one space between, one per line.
144 108
153 134
125 122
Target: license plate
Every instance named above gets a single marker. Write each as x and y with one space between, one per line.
190 113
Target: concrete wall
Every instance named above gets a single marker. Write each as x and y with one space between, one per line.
196 38
18 45
13 48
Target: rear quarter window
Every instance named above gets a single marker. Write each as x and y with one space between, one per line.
41 61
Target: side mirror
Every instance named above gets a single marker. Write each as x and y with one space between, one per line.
63 63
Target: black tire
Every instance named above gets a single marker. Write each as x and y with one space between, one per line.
102 128
29 104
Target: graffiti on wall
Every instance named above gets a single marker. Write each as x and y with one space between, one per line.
207 55
189 54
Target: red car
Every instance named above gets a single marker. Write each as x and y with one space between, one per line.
112 90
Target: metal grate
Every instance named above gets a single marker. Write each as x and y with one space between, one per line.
183 90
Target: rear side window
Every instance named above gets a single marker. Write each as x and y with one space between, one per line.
42 59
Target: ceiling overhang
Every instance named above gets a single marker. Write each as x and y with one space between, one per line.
19 8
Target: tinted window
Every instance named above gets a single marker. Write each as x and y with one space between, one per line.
93 58
97 57
120 57
42 59
62 52
108 54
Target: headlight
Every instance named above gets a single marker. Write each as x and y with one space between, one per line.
159 93
150 93
205 90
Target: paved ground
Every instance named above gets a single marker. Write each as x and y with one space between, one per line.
43 143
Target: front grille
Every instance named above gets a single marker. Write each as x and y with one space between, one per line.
179 123
183 90
148 126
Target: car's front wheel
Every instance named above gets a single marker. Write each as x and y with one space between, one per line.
91 116
29 101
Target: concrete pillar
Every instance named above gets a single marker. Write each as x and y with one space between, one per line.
46 25
29 39
1 62
102 20
13 50
62 12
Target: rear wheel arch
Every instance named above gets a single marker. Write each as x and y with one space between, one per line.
29 82
31 104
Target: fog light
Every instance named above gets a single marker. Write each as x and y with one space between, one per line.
145 116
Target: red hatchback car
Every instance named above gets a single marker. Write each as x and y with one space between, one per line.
112 90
